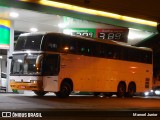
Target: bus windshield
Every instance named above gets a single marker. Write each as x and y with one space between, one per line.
24 64
29 42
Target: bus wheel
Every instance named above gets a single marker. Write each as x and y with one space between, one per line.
65 90
121 90
40 93
131 89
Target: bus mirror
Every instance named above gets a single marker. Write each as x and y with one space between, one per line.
10 57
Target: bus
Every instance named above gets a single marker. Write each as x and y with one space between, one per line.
62 64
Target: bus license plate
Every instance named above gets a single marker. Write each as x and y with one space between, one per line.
22 87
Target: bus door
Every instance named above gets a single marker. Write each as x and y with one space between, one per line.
50 72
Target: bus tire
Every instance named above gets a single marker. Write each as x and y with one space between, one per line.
131 89
65 90
40 93
121 90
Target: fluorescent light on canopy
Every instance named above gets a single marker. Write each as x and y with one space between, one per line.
93 12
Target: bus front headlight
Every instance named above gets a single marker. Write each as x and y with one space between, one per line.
12 80
33 81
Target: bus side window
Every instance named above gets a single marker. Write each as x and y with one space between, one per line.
81 47
102 50
147 57
52 43
109 50
132 55
116 52
72 45
99 50
88 48
124 53
64 44
93 48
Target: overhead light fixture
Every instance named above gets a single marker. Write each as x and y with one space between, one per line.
13 14
33 29
93 12
20 61
1 57
62 25
133 36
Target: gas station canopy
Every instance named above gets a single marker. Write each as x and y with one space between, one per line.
142 14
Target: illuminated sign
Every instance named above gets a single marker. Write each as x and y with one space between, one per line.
4 34
86 32
120 35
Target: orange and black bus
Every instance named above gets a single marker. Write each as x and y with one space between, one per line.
59 63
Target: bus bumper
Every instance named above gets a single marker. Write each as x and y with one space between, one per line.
26 85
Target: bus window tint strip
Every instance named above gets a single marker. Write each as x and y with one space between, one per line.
55 42
76 45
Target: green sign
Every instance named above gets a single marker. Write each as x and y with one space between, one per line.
87 32
4 34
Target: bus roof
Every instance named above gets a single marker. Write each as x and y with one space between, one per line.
90 39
